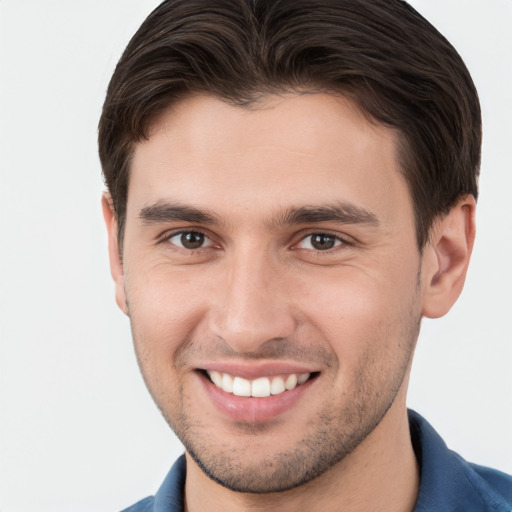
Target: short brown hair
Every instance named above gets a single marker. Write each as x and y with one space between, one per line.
381 54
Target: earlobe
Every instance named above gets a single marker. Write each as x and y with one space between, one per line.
446 258
116 264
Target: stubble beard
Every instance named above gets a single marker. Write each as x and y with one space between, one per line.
330 437
313 455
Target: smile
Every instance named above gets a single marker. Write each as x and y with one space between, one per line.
259 388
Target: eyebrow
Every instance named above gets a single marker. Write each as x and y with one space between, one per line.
341 213
169 212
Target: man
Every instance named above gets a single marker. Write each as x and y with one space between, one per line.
291 188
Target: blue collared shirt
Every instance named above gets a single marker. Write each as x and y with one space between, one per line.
448 483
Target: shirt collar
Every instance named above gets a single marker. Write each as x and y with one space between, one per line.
447 482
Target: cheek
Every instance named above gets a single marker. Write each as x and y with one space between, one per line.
165 309
362 315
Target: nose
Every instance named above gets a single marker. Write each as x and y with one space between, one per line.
251 305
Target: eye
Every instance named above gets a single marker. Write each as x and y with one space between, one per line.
189 240
319 242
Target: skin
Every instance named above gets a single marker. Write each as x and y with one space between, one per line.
257 291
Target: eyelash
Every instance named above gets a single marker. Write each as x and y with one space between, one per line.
166 238
339 241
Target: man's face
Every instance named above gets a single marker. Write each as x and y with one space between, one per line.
262 246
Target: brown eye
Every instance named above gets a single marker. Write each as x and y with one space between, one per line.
189 239
320 242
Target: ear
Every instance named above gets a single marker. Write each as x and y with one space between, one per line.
116 264
446 258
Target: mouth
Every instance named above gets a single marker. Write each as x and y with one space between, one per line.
261 387
257 396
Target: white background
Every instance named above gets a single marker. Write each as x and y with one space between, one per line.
78 430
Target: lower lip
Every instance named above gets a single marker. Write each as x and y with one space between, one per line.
252 409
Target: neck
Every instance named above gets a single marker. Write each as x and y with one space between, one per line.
380 474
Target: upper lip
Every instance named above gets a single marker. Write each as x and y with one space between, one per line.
255 370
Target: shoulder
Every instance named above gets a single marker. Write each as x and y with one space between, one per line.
451 484
169 497
494 487
145 505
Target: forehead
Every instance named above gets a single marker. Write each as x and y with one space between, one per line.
290 150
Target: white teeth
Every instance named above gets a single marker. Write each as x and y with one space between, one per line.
227 383
260 388
216 378
241 387
303 377
277 386
291 382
